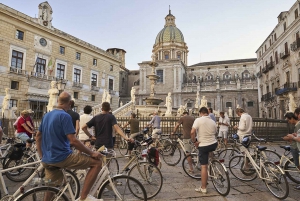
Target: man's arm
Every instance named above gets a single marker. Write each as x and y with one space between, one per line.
38 141
27 128
175 128
85 130
193 137
151 122
119 130
77 127
242 124
125 125
30 125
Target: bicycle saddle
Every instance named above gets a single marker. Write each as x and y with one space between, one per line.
261 148
287 147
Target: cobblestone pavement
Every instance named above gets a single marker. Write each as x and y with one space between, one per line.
178 186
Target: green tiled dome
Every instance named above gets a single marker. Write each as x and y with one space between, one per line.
169 34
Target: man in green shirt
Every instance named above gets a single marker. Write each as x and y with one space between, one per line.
134 130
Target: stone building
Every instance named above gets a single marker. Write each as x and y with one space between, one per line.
33 53
278 69
224 83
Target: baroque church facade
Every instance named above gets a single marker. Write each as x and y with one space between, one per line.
225 84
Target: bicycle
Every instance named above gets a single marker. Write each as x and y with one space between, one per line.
272 175
121 187
217 172
288 165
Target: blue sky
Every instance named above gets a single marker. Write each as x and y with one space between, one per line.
213 29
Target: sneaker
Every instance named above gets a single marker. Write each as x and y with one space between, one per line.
201 190
89 198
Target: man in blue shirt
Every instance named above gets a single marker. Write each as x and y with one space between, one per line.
56 134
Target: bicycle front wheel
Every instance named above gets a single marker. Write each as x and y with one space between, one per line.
123 147
74 182
220 177
291 171
113 166
191 166
150 177
227 154
242 171
128 188
171 154
275 180
40 193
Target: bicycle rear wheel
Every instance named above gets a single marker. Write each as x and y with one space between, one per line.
271 156
19 174
220 177
128 188
74 182
275 180
123 147
38 194
191 166
237 168
227 154
171 154
291 171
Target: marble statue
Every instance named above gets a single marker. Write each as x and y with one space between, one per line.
104 96
121 103
229 112
180 110
237 106
132 93
203 102
108 97
6 100
169 104
292 104
197 100
53 95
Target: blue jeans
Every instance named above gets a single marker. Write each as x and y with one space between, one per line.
23 136
295 154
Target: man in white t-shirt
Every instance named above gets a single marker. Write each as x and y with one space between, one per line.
86 117
245 125
206 142
224 123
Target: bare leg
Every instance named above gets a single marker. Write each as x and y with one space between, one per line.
189 159
204 176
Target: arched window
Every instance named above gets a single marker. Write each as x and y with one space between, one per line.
246 74
167 55
209 76
226 76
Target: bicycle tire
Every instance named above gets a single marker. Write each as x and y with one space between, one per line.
150 177
227 154
113 166
291 171
133 189
37 194
196 173
20 174
123 147
236 168
171 154
74 183
272 156
219 177
277 178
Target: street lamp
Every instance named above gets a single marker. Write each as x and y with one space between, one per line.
61 85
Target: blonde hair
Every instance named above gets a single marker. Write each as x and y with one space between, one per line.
240 110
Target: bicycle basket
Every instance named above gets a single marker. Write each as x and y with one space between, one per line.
16 151
153 156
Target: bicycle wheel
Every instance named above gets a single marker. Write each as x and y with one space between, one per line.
150 177
113 166
74 183
193 170
123 147
220 177
38 194
236 167
171 154
275 180
227 154
291 171
19 174
271 156
128 188
221 145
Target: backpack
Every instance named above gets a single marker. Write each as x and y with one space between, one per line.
16 151
153 156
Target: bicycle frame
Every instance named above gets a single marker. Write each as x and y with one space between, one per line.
285 159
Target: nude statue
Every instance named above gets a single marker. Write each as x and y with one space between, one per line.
169 103
203 102
104 96
6 100
197 100
292 104
53 94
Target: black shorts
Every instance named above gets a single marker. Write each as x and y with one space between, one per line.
204 152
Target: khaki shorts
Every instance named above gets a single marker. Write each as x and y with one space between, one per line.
187 146
223 134
73 161
156 133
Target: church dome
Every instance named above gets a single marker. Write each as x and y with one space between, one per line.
170 32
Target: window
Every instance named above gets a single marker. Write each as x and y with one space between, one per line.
95 62
166 55
244 65
75 95
93 98
284 26
287 77
110 84
228 104
259 53
270 42
250 104
78 55
226 75
111 68
77 74
178 55
40 65
265 47
94 79
275 38
19 35
208 104
296 13
61 50
14 85
276 57
17 59
192 69
13 103
286 48
160 73
60 71
189 104
226 66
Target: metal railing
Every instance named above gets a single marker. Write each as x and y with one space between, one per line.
295 45
287 87
270 65
265 69
77 84
284 54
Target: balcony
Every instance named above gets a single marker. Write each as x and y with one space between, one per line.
95 88
265 69
258 74
77 84
287 87
270 65
295 45
18 71
267 97
284 54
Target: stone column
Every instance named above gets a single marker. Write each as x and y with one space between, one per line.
219 101
175 80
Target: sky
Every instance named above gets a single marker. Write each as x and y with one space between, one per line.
214 30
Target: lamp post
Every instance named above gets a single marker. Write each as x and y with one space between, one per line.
61 84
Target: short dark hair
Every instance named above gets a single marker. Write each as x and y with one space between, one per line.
185 112
203 110
297 111
87 109
72 103
210 109
222 113
133 115
241 110
106 106
290 115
